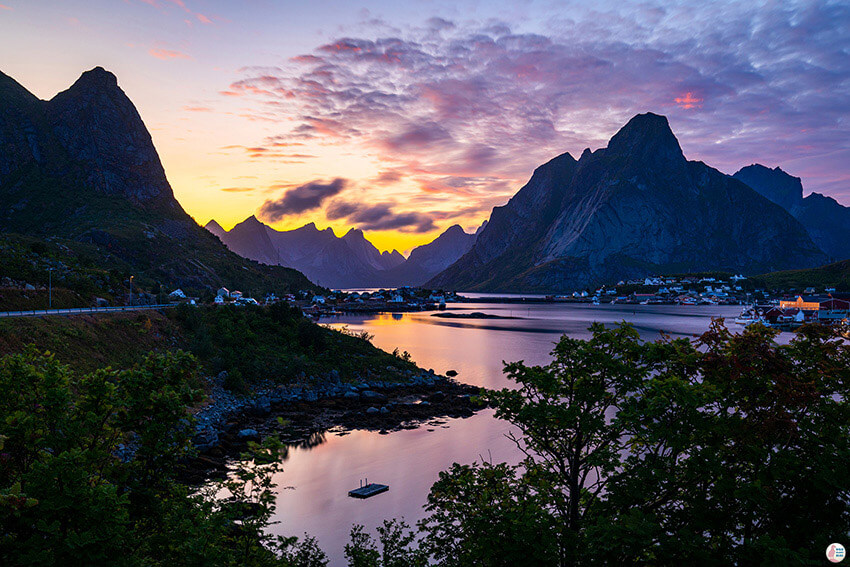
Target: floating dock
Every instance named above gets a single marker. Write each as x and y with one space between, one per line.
367 490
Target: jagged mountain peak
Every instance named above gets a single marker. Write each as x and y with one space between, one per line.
251 222
96 78
780 187
632 209
215 228
455 229
646 136
11 90
354 234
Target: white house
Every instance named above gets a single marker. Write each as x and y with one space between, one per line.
177 294
319 299
219 300
235 294
222 292
397 299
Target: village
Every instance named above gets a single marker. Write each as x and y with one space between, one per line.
785 309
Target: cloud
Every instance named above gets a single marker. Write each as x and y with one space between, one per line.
166 54
197 108
301 199
739 82
379 216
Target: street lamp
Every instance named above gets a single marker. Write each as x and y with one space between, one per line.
50 288
131 290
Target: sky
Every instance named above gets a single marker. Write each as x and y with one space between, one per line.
402 118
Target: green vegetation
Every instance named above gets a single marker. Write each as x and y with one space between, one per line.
83 269
67 498
278 343
729 450
273 343
835 275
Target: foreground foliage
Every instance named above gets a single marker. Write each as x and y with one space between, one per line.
731 450
728 450
71 495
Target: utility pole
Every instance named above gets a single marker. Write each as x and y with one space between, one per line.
50 288
131 290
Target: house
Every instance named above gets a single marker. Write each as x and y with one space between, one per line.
397 299
318 299
222 292
235 294
177 294
219 300
833 309
802 303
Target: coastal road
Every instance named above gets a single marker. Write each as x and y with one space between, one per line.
76 310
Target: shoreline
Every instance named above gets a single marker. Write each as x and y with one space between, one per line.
224 428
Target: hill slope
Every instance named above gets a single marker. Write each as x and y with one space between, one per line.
634 208
826 220
835 275
81 169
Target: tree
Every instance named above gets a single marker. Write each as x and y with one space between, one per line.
732 449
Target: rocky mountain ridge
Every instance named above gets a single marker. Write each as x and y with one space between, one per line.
826 220
349 261
82 167
634 208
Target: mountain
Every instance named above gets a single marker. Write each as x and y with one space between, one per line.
82 169
368 254
826 220
349 261
215 228
430 259
634 208
339 262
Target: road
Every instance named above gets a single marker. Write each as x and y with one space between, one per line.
75 310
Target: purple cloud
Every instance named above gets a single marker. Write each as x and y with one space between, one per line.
380 216
740 84
301 199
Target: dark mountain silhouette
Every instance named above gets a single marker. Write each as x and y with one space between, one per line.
631 209
826 220
430 259
82 167
349 261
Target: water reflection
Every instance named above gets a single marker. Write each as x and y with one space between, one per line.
323 469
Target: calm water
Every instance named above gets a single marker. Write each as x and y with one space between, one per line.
314 484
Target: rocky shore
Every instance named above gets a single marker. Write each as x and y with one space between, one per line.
224 427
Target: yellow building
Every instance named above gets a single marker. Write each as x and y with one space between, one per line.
800 304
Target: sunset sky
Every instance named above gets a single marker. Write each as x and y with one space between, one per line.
403 118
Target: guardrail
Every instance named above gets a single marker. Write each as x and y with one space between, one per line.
75 310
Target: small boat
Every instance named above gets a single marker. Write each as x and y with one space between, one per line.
749 316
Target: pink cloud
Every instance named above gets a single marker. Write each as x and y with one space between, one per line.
489 105
4 7
203 19
166 54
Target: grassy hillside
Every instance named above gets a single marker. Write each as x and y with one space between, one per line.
252 343
82 271
835 275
